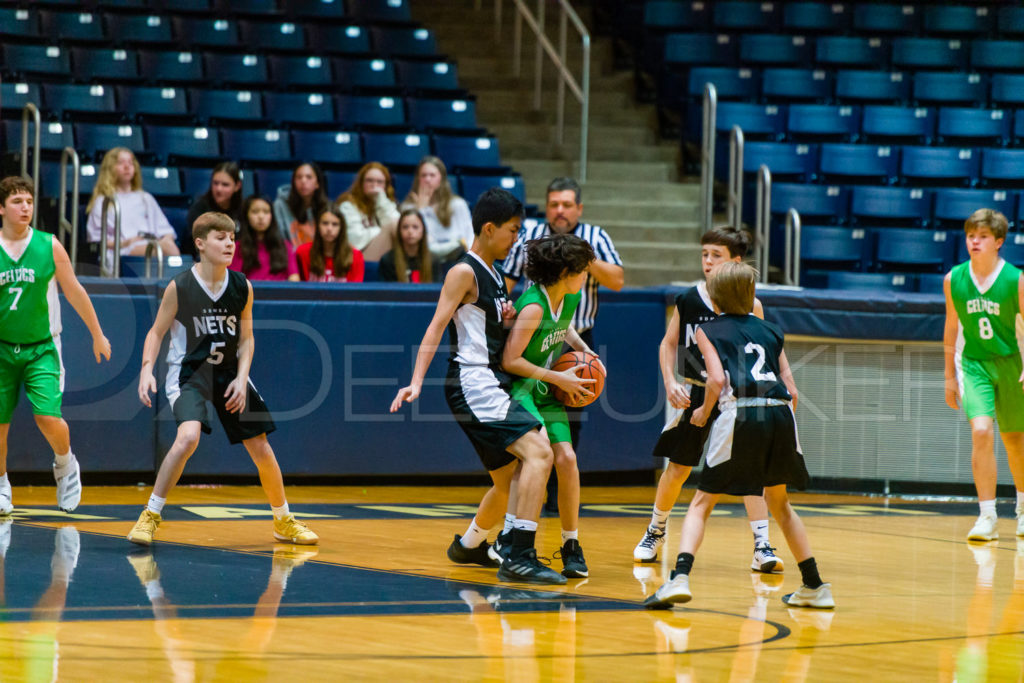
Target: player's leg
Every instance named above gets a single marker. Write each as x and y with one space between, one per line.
6 504
670 484
1014 443
677 589
765 559
185 442
286 527
1010 416
814 592
574 566
472 546
978 395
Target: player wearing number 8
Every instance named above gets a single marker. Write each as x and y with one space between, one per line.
983 367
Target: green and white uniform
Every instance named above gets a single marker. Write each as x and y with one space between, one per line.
988 356
545 344
30 329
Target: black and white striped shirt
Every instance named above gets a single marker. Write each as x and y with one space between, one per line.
586 313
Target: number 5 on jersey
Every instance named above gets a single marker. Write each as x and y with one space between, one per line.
216 356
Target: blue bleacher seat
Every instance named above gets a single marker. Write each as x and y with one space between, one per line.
60 97
890 205
756 120
699 48
872 18
396 149
184 142
281 36
256 8
299 108
50 60
786 50
152 101
14 96
269 180
78 25
92 64
889 123
974 126
340 39
953 206
53 135
943 87
328 147
930 283
429 114
403 41
161 181
959 20
903 249
671 15
874 282
135 266
945 165
787 161
257 145
339 181
21 22
1018 125
212 32
196 181
829 246
317 9
370 110
96 138
472 186
1008 89
227 105
1002 167
851 51
859 163
237 68
872 86
796 84
729 82
742 15
823 121
460 152
402 183
825 201
816 17
380 10
172 66
306 71
141 29
989 55
1010 21
928 53
373 72
432 74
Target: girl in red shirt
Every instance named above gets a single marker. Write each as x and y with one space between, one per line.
330 257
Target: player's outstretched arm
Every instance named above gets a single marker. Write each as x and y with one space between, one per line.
949 334
716 379
164 318
459 284
238 387
79 300
674 391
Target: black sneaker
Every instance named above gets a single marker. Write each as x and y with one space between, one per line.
501 548
463 555
525 568
571 554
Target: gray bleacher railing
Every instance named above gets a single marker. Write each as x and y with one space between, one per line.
67 226
792 268
581 89
762 222
735 201
707 157
114 270
153 247
31 110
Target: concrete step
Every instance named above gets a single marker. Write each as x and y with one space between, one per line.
651 232
645 275
676 255
489 113
656 171
599 150
651 210
654 191
496 74
542 133
488 99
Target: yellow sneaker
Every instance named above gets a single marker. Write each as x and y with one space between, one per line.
290 530
142 532
145 566
293 556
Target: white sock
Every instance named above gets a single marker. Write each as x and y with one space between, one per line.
573 535
510 521
280 512
61 461
1020 499
760 529
525 525
154 590
474 536
3 480
156 503
988 507
659 518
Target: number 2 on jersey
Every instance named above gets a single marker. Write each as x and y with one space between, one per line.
17 291
756 371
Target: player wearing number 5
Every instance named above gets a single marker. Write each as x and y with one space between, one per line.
983 368
32 264
208 310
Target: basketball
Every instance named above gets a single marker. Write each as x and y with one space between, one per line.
592 369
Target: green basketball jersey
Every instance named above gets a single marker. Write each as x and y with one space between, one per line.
987 319
547 338
29 308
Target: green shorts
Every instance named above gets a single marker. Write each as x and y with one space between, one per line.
536 398
992 388
37 366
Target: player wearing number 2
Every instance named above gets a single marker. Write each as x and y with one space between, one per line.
208 310
984 299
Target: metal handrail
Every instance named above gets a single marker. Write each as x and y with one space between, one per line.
793 226
153 245
707 156
580 90
30 108
762 231
735 202
115 270
65 226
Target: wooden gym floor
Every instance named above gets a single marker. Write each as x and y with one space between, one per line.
216 599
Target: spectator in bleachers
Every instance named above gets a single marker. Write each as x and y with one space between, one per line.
224 195
330 257
410 259
297 205
262 252
446 215
141 218
370 211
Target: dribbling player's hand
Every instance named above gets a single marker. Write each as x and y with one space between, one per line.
101 348
699 417
235 395
147 386
677 396
953 393
405 395
574 385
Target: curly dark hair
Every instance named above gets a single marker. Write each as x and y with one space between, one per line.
551 258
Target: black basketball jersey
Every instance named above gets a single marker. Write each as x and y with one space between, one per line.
749 349
694 307
476 331
206 327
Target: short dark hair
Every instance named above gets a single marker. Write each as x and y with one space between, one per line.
549 259
210 221
13 184
736 241
563 183
495 206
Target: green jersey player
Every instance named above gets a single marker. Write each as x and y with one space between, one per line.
983 367
32 264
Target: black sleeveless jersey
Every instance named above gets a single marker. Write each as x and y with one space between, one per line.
476 331
694 307
749 349
207 325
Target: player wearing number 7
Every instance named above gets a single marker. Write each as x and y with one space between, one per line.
32 264
983 368
208 310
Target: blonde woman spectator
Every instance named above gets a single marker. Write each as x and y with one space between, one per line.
410 259
370 210
446 215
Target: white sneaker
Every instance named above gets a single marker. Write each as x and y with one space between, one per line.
6 506
819 598
985 528
1020 520
6 525
647 549
675 591
765 560
66 546
69 486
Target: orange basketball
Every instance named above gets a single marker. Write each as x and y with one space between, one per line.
592 369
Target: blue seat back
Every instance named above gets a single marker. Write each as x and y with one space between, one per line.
49 60
913 249
430 114
851 51
835 246
873 282
65 97
96 138
341 39
761 120
786 160
301 71
327 146
365 72
1008 89
974 125
281 36
872 18
237 69
432 74
227 105
371 110
771 48
729 82
472 186
950 88
890 205
257 145
864 163
665 15
152 100
989 55
184 142
824 201
173 66
699 48
14 96
744 15
80 26
104 64
872 86
816 17
161 181
954 205
928 53
884 122
955 166
824 121
958 20
467 152
53 135
796 84
299 108
1001 166
396 149
403 41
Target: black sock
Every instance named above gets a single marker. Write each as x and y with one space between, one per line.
809 573
684 563
522 540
